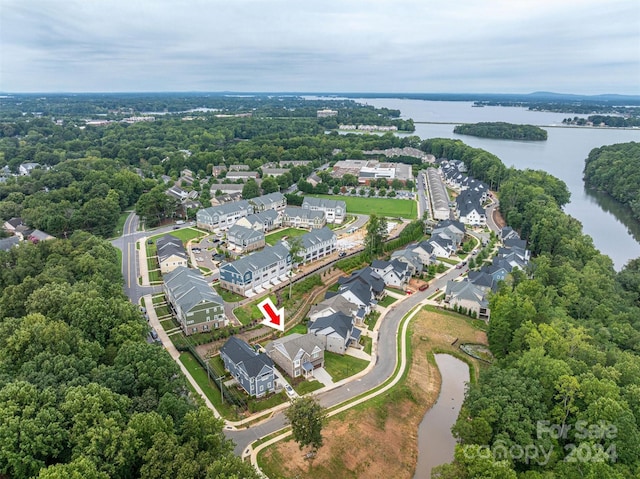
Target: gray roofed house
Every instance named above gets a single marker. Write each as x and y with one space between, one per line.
263 221
25 169
297 217
469 209
258 271
335 331
314 179
12 224
275 172
438 194
394 273
241 175
272 201
369 277
254 371
223 216
241 239
411 258
508 232
35 236
171 253
333 305
7 243
466 295
358 292
197 307
297 354
482 279
317 244
335 211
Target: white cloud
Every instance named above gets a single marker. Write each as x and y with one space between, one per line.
586 46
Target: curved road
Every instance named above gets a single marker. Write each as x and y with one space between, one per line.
383 369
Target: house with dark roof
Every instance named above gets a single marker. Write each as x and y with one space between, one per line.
469 209
441 245
12 224
297 354
451 228
258 271
334 211
369 277
314 179
264 221
394 273
357 292
508 232
241 239
463 294
317 244
297 217
252 370
411 258
482 279
171 253
336 331
223 216
197 307
7 243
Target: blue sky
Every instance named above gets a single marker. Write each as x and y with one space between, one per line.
494 46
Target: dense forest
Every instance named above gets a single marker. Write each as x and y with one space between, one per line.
562 400
615 170
89 174
502 131
82 394
604 120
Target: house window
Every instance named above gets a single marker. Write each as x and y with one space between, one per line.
296 363
315 355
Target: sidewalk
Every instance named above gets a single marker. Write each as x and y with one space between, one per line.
175 354
142 262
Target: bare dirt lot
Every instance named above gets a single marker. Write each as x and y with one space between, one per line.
379 438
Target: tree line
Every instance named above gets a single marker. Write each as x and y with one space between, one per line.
82 393
562 398
615 170
502 131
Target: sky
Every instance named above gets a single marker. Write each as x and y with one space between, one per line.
396 46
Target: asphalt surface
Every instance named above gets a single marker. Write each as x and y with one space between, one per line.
383 369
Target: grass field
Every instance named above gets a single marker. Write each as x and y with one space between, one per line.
340 367
387 301
185 234
380 206
273 238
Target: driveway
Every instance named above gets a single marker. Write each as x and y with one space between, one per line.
323 376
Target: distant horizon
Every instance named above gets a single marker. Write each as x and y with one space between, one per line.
391 94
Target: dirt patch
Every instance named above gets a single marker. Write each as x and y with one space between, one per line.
379 439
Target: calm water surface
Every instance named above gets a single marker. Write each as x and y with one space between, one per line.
613 230
435 442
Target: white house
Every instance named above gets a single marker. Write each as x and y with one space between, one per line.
223 216
334 210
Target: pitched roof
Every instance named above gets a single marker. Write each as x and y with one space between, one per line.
335 303
366 275
291 344
338 322
260 259
359 289
7 243
262 217
240 352
242 233
312 238
228 208
297 211
168 246
265 201
323 203
189 288
466 291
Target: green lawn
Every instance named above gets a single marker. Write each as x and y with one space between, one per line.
155 276
340 367
380 206
228 296
307 386
298 328
185 234
273 238
387 301
367 342
250 311
208 387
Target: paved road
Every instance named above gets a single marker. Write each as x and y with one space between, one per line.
130 266
360 221
384 367
422 196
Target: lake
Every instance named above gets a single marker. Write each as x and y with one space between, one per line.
613 230
435 442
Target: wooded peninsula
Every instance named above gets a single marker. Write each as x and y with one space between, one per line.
502 131
615 170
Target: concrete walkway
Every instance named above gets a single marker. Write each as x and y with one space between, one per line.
175 354
323 376
358 353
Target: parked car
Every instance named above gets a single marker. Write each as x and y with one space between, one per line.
424 287
342 254
289 390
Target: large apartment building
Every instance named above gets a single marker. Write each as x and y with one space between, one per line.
334 210
223 216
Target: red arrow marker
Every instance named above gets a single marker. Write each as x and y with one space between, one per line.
273 317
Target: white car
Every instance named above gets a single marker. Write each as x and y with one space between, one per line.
290 392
